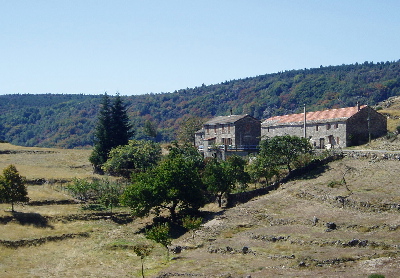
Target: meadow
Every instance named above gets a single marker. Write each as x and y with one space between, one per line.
283 233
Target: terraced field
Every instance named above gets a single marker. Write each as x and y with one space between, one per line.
339 220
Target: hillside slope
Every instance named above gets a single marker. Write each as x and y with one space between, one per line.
340 220
68 120
287 231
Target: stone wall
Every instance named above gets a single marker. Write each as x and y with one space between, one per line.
320 133
372 155
247 132
358 128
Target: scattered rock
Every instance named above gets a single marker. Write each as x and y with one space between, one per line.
330 226
176 249
315 221
302 264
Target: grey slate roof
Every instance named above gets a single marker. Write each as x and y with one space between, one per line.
225 119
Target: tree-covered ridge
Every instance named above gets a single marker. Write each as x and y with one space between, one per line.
68 120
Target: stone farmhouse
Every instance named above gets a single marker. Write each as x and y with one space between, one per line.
334 128
226 135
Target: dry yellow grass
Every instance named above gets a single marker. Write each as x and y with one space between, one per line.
284 212
46 163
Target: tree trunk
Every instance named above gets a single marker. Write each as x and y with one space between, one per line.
142 269
172 211
219 197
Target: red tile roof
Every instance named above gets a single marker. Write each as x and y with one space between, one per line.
331 114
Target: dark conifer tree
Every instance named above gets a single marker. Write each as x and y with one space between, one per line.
113 129
103 137
120 126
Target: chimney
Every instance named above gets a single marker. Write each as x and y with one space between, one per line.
231 112
358 106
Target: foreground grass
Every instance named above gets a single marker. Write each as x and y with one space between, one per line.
95 256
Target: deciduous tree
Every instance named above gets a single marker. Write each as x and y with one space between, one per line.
187 129
12 187
217 178
137 156
284 150
174 184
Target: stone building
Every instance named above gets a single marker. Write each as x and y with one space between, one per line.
332 128
233 133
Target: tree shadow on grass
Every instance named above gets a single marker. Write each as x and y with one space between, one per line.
176 230
31 218
308 173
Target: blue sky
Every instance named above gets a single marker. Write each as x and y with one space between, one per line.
136 47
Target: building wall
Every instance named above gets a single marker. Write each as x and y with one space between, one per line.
221 132
198 138
321 134
247 132
359 130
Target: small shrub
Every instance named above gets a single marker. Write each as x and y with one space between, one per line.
376 276
103 192
192 223
391 136
142 251
303 160
95 207
160 234
335 184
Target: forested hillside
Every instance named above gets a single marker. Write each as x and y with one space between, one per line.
68 120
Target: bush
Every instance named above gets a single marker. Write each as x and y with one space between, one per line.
391 136
376 276
102 192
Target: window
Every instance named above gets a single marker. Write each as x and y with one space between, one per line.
215 129
223 128
316 128
328 126
207 129
229 128
226 141
336 125
337 140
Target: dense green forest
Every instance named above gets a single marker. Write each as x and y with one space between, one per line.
67 121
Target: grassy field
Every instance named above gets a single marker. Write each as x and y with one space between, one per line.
283 233
278 228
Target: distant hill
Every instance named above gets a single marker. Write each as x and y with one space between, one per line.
67 121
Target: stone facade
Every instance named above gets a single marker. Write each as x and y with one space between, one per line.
330 128
231 133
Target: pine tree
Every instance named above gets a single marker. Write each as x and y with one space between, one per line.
120 126
113 129
12 187
103 135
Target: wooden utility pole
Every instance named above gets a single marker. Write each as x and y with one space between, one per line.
305 120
